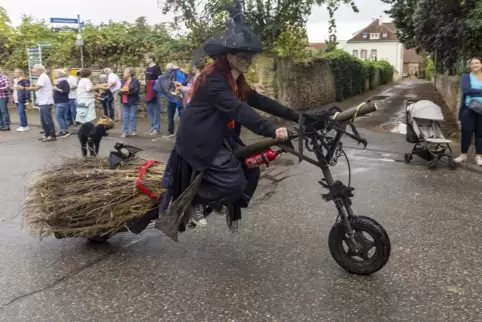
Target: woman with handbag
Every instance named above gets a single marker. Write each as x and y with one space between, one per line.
470 113
86 97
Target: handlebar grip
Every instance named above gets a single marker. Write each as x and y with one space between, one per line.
257 147
352 113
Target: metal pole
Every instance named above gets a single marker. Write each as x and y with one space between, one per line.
81 46
40 53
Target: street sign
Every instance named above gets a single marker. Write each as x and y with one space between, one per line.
34 57
45 45
64 20
64 30
82 24
79 42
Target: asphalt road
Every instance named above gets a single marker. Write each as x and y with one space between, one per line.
278 267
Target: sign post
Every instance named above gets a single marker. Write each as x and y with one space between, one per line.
80 24
34 57
80 42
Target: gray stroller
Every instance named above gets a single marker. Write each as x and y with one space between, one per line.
423 129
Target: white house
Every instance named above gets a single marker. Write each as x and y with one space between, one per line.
378 41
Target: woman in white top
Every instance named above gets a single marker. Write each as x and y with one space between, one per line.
85 97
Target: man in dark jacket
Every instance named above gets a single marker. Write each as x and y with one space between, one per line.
21 98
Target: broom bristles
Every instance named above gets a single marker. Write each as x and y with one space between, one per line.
85 198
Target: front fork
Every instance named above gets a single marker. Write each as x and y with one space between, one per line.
343 206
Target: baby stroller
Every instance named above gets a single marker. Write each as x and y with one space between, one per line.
424 130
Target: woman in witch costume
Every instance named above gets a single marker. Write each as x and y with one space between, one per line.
203 174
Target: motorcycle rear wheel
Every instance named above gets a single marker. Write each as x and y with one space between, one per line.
366 261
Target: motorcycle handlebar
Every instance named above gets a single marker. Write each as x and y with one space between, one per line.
354 112
348 115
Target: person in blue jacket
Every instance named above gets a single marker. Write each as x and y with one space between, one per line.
471 121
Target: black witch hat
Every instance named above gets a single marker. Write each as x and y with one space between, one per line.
237 37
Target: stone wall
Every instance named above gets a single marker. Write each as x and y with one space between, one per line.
449 88
298 85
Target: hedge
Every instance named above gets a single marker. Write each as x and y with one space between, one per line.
429 70
352 73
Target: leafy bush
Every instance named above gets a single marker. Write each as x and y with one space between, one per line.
349 73
386 71
429 70
370 72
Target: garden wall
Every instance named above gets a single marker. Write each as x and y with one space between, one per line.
449 88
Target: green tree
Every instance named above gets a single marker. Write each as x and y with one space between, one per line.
268 18
293 42
29 33
450 28
6 35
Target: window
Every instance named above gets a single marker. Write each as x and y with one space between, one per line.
385 35
365 35
363 54
374 35
355 53
373 54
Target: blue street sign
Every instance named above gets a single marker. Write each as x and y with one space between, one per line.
64 20
82 24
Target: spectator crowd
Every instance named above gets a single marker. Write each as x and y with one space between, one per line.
71 98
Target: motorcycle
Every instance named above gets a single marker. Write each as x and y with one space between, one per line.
321 134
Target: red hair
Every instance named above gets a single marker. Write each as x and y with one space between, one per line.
222 66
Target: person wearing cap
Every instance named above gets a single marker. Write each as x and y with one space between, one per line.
221 103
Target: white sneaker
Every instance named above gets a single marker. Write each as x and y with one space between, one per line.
21 129
478 161
461 158
168 136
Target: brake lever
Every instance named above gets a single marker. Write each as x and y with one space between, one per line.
358 136
355 137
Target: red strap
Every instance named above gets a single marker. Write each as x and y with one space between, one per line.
142 172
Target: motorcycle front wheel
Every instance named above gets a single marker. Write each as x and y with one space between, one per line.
374 246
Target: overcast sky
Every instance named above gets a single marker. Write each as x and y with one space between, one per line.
97 11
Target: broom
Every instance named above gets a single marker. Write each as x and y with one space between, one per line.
83 197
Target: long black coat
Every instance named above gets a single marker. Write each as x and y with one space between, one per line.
204 124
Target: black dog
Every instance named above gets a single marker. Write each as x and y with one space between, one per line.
90 136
